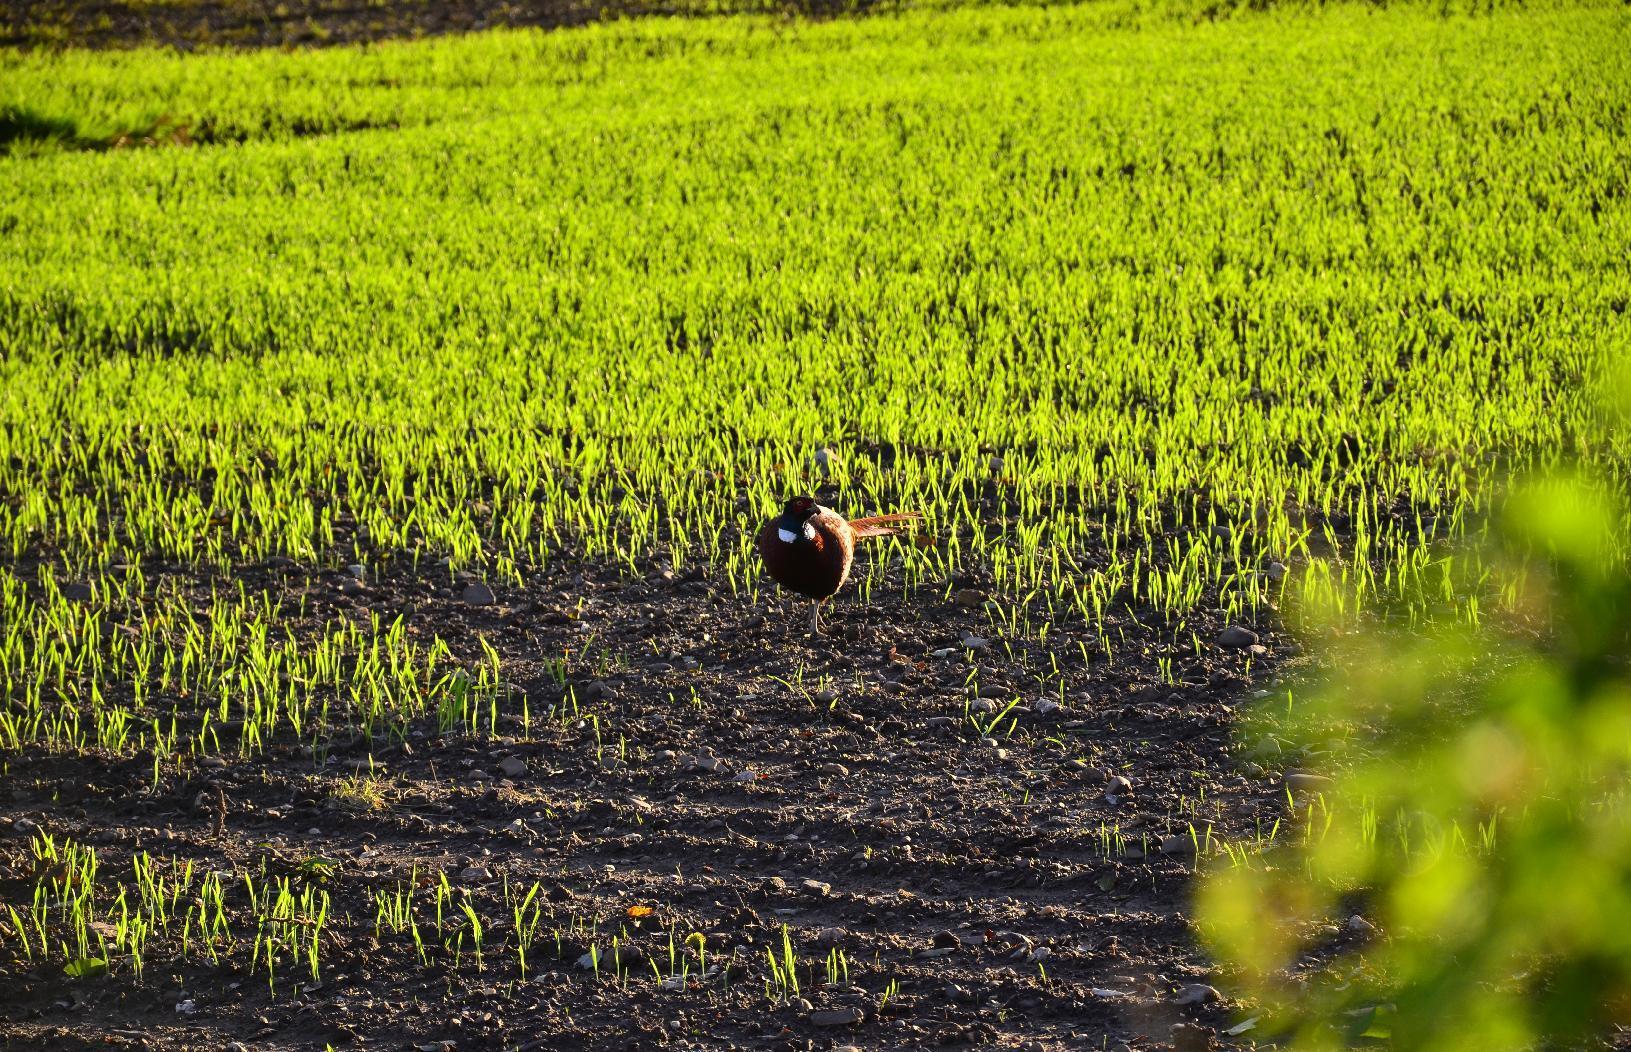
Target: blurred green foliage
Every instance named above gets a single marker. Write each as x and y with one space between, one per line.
1478 815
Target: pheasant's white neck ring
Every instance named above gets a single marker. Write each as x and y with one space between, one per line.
787 536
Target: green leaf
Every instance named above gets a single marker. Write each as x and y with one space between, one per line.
317 866
1377 1025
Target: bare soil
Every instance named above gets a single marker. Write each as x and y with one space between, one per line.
187 24
973 875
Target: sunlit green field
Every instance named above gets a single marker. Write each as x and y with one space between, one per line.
601 294
1153 312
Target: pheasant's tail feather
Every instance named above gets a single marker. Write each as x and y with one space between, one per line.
882 525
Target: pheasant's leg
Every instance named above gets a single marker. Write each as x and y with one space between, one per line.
815 618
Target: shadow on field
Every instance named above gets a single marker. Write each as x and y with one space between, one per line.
20 125
23 130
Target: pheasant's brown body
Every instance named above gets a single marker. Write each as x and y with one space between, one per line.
817 564
808 549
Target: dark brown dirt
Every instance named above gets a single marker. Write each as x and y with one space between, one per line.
971 876
189 24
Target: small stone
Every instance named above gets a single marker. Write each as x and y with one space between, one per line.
1118 786
958 993
816 887
940 723
1299 781
357 570
830 936
991 691
1187 1037
744 776
478 594
836 770
982 705
599 690
707 763
473 873
1360 924
1237 637
187 1007
1276 570
997 464
974 642
837 1016
1015 944
1197 994
1178 844
351 586
1045 706
968 597
512 767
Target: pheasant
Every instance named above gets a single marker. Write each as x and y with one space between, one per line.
808 548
